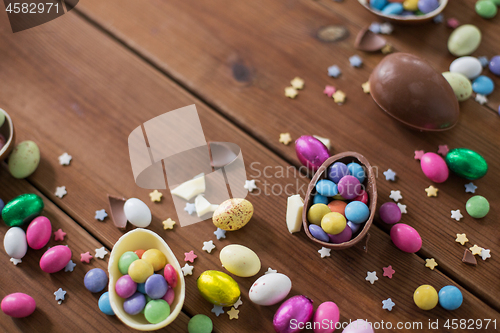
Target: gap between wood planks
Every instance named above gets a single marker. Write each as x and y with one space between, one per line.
151 62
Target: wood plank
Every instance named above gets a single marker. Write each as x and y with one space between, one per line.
204 43
97 92
79 310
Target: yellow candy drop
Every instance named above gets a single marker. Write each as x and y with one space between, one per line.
316 213
156 258
139 270
411 5
333 223
426 297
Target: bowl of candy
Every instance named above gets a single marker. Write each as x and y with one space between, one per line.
340 202
146 285
405 12
7 135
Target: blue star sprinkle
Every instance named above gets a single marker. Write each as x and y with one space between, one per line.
470 188
218 310
390 175
190 208
484 61
60 295
70 266
355 61
100 215
388 304
220 233
334 71
375 27
438 18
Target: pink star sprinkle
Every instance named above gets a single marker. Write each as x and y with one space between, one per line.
329 91
388 271
443 150
85 257
419 154
452 23
190 256
59 235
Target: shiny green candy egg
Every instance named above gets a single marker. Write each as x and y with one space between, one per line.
218 288
156 311
466 163
486 9
200 324
24 159
477 206
22 209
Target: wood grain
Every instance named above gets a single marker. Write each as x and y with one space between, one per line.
95 92
79 311
224 44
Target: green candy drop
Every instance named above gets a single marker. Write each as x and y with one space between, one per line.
156 311
200 324
22 209
477 206
486 9
466 163
125 260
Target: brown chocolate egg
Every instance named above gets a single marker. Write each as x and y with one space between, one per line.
410 90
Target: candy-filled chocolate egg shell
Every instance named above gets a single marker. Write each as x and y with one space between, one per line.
410 90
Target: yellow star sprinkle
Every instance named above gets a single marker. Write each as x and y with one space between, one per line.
233 313
168 224
285 138
339 96
155 196
366 87
431 191
291 92
387 49
462 239
431 263
297 83
475 249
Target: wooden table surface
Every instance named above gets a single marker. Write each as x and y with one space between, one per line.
81 83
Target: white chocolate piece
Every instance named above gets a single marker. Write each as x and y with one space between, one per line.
324 141
294 208
191 188
202 205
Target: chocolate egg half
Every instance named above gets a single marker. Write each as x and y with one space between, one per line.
410 90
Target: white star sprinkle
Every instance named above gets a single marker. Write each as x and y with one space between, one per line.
100 252
187 269
485 254
402 208
481 99
220 233
65 159
455 214
396 195
190 208
390 175
325 252
386 28
218 310
15 261
470 188
388 304
208 246
61 191
238 303
371 276
70 266
250 185
100 215
271 271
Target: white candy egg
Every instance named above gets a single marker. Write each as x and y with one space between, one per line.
270 289
137 212
15 243
469 66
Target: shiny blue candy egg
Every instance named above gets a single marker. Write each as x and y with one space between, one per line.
105 305
483 85
450 298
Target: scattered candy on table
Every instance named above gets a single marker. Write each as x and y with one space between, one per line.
240 260
430 263
390 213
389 175
168 224
464 40
15 243
238 303
250 185
462 239
334 71
469 258
190 208
431 191
22 209
477 206
470 188
218 288
291 92
85 257
297 308
190 256
219 233
233 214
452 23
297 83
208 246
271 271
388 304
402 208
324 252
285 138
269 289
100 252
328 91
233 313
455 214
70 266
95 280
396 195
60 295
371 277
466 163
419 154
100 215
59 235
485 254
15 261
105 305
155 196
406 238
200 324
65 159
388 271
426 297
137 212
366 87
24 159
475 250
18 305
486 9
339 96
327 312
187 269
39 232
55 259
450 298
217 310
61 191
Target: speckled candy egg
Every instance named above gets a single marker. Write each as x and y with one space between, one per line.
327 312
406 238
460 84
466 163
39 232
22 209
14 243
55 259
218 288
434 167
295 312
233 214
240 260
270 289
18 305
464 40
24 159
